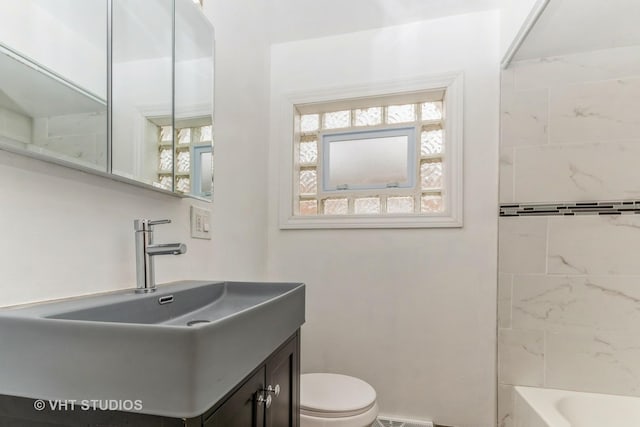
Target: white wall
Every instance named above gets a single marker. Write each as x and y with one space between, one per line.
141 89
69 39
513 14
411 311
66 233
241 126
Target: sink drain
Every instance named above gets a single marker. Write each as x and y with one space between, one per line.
195 322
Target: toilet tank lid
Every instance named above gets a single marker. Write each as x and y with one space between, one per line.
323 392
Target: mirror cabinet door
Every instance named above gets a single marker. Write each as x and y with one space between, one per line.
193 100
53 85
142 91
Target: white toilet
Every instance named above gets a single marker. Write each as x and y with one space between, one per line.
333 400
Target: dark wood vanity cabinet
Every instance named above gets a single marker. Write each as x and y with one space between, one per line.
269 397
283 370
244 406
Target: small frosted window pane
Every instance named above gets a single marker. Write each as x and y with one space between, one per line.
183 184
166 133
206 133
401 113
431 175
367 205
336 206
337 119
308 152
309 122
164 181
184 136
431 142
402 204
369 116
166 159
206 172
370 162
184 161
431 110
431 203
308 181
308 207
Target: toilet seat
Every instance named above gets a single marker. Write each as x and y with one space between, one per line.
326 415
335 396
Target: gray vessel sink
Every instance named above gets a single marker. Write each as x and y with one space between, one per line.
177 350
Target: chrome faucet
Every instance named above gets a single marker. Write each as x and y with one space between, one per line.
146 250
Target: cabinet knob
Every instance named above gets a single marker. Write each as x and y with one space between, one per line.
266 401
275 390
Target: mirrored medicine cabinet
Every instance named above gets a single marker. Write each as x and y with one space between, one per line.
118 88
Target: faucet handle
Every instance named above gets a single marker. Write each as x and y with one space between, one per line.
145 224
159 221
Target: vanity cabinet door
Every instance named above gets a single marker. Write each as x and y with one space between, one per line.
241 409
282 369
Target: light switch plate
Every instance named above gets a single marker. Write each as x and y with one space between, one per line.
200 223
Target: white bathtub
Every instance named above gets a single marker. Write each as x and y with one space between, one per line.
542 407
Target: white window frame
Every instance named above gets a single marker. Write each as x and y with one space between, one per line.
453 180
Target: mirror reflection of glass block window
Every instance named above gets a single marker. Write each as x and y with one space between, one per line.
187 165
206 133
183 184
184 136
184 161
166 159
165 182
166 134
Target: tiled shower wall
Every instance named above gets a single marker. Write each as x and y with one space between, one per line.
569 286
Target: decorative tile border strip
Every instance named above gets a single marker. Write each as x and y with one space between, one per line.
620 207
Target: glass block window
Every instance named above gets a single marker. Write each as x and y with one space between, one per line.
368 116
336 120
165 182
335 206
308 182
310 122
366 205
183 184
166 134
181 164
381 158
184 136
401 113
431 110
308 152
166 159
400 204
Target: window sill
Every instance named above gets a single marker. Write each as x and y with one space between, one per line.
368 221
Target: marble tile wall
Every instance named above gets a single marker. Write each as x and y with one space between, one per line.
570 128
569 287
